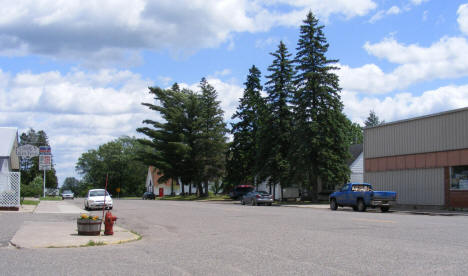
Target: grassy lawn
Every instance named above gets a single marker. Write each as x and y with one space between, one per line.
195 197
305 202
51 198
30 202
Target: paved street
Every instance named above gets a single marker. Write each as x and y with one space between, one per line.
205 238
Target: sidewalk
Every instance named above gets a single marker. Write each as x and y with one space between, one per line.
53 234
396 209
58 207
35 234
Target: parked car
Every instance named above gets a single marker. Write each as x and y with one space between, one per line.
95 200
257 198
240 191
68 195
361 196
148 195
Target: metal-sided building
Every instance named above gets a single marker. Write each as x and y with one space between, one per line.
423 159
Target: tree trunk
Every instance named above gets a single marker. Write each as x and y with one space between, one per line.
172 186
190 188
183 186
281 188
206 189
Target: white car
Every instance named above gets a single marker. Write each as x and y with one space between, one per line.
95 200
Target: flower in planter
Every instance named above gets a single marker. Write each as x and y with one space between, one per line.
85 216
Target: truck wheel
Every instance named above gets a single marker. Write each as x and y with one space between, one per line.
333 204
384 209
361 206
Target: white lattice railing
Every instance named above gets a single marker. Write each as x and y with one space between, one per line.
10 189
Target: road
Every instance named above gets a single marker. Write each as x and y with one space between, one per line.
204 238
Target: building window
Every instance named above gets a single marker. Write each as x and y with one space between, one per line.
459 178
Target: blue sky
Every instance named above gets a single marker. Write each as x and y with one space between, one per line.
80 69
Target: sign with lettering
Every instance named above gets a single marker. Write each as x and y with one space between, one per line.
44 150
27 151
45 162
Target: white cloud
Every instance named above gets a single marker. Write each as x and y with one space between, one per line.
405 105
165 80
393 10
425 15
110 33
418 2
222 73
444 59
463 18
80 111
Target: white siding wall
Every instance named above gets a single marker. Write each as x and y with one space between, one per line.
418 186
357 169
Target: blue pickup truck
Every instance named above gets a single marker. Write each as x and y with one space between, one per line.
360 196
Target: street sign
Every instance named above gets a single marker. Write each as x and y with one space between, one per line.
45 162
45 150
27 151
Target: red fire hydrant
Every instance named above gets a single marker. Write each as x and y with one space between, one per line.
109 223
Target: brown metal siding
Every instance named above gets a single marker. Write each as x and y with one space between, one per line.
417 186
430 134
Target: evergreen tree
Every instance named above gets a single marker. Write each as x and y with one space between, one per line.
29 167
169 147
280 90
212 138
321 147
373 120
188 143
354 133
243 164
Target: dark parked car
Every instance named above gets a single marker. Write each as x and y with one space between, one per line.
240 191
257 198
149 195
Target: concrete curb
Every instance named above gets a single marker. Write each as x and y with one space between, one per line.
34 234
414 212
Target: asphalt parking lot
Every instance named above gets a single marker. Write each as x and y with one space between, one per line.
210 238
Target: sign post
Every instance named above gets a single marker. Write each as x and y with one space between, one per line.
45 162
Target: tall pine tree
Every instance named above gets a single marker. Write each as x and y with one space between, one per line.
373 120
212 138
321 146
280 90
244 163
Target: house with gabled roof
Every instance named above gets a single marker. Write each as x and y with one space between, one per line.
9 166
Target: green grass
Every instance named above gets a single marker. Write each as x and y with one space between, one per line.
93 243
211 197
51 198
139 236
30 202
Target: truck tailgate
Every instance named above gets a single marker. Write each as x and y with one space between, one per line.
384 195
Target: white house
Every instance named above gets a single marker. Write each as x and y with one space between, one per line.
167 188
9 161
355 164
